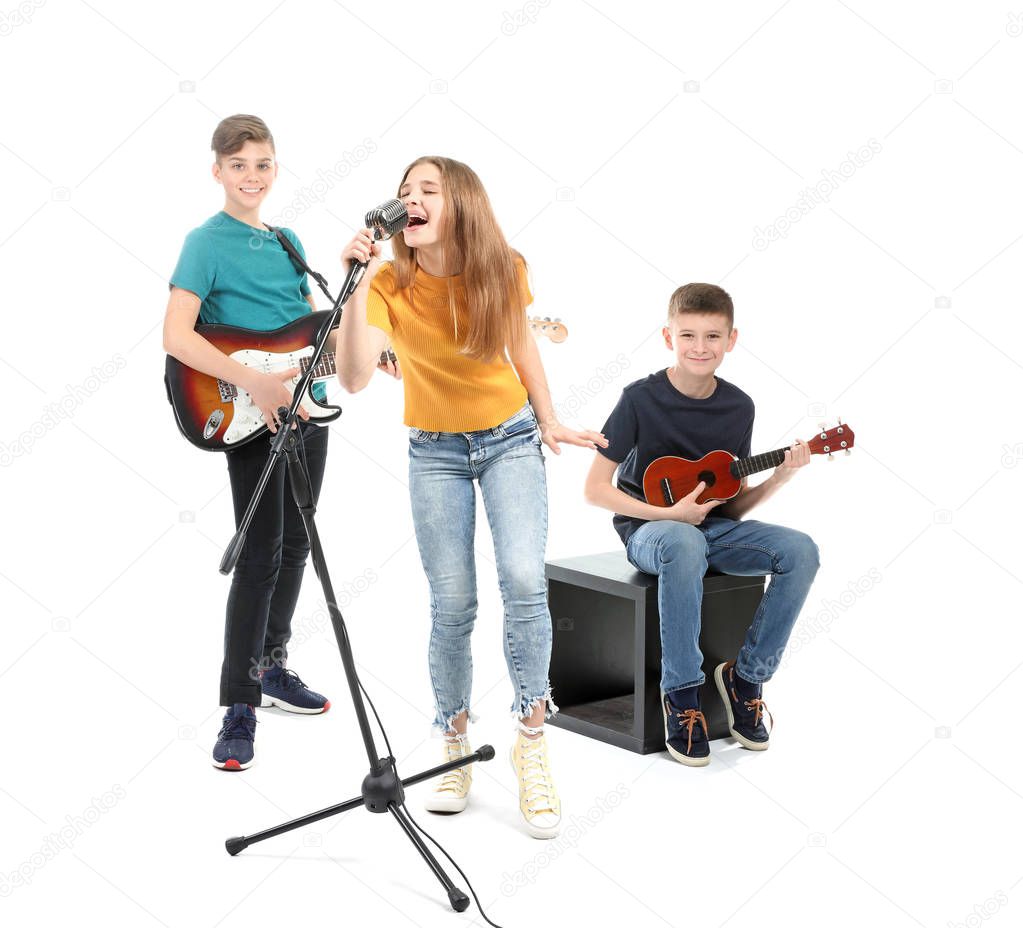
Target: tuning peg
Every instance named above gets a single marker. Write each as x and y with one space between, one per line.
821 425
831 457
848 451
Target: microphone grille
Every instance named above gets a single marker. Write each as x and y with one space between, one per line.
387 219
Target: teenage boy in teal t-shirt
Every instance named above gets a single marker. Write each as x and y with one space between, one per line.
232 270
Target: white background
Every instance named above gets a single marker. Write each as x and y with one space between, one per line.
889 796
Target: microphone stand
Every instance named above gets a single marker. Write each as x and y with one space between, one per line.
382 789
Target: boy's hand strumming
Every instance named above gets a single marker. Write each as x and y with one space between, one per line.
688 510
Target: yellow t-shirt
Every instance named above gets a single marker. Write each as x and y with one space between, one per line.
445 391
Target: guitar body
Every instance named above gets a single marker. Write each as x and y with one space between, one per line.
216 416
667 479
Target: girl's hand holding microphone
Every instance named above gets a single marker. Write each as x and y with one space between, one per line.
362 248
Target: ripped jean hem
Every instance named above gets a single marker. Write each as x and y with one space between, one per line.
526 706
443 724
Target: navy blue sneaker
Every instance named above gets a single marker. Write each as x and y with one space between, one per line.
284 688
236 744
745 708
685 733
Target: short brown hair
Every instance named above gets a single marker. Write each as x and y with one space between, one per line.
703 299
232 133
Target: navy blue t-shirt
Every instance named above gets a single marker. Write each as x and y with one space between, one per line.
653 419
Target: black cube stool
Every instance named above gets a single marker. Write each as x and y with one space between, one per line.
606 657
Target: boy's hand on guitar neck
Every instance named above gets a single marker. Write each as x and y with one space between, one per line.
688 510
795 457
268 393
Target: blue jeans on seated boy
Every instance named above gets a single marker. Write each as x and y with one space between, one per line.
508 463
680 554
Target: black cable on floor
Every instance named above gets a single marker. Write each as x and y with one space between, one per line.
440 847
404 806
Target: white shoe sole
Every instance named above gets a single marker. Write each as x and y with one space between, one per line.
268 701
445 805
681 758
719 682
535 831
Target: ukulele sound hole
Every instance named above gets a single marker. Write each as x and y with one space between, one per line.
707 477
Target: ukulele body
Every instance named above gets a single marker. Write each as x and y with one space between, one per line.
667 479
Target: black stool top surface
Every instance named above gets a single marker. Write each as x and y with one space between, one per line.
611 571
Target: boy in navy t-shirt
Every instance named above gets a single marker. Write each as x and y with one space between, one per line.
688 412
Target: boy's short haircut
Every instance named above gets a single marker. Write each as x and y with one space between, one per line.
703 299
232 133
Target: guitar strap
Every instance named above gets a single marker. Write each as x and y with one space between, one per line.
302 266
299 261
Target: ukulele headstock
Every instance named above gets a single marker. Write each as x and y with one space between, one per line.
554 329
828 441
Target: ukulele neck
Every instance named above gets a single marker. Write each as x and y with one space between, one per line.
743 467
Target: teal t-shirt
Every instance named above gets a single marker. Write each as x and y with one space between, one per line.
243 277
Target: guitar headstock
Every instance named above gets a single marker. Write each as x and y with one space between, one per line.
828 441
554 329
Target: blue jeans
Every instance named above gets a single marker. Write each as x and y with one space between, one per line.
680 554
508 463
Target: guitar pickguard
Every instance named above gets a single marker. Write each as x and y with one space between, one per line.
247 416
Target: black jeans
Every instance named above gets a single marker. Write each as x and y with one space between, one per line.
268 575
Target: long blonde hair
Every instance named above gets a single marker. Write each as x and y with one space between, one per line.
473 247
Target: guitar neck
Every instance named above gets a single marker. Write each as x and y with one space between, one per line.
326 367
743 467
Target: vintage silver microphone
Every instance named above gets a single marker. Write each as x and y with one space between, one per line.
385 220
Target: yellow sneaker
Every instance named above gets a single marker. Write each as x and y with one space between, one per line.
538 799
451 794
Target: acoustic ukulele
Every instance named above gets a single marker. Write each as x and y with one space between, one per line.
667 479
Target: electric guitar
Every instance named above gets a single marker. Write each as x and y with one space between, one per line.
217 416
554 329
667 479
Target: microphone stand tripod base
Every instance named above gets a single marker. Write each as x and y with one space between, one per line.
382 789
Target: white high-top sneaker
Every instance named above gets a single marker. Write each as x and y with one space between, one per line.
538 799
451 794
